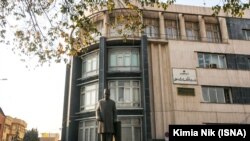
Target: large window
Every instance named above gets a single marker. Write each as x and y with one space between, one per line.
246 33
87 131
213 33
248 62
124 59
118 28
99 28
243 62
207 60
126 93
90 65
192 30
152 27
231 95
88 97
216 95
131 129
241 95
171 29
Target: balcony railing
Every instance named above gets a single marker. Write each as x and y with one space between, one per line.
167 37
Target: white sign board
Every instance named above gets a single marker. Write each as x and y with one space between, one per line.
184 76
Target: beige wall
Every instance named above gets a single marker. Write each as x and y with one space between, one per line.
167 107
161 92
183 50
12 125
170 108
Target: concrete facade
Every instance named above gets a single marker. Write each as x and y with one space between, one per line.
12 127
49 137
2 119
192 70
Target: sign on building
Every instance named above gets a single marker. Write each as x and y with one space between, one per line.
184 76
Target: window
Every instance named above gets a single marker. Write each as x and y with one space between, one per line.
115 30
241 95
14 127
131 129
90 65
216 95
248 62
126 93
99 27
118 29
192 31
186 91
87 131
246 33
242 62
88 97
171 29
226 95
124 60
213 34
152 27
207 60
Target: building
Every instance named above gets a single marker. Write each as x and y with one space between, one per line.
186 68
2 118
49 137
13 128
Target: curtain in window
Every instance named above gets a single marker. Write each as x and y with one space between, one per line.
90 65
88 97
124 60
126 93
152 27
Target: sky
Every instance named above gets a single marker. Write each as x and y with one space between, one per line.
36 95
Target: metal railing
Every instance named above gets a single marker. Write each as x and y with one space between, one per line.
166 36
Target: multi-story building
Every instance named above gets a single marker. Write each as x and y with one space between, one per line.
2 119
187 67
49 137
13 128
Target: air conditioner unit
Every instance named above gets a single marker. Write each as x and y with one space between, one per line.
212 65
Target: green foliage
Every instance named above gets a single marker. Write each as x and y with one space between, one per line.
234 7
53 30
31 135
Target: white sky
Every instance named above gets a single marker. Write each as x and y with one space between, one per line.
36 95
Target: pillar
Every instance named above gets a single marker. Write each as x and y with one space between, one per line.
202 28
161 26
223 28
182 27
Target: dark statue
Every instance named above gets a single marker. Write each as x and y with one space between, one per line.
106 116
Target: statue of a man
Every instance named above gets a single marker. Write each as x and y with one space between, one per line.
106 116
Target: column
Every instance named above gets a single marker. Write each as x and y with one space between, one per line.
103 61
105 24
223 29
202 28
182 27
73 100
145 90
161 26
